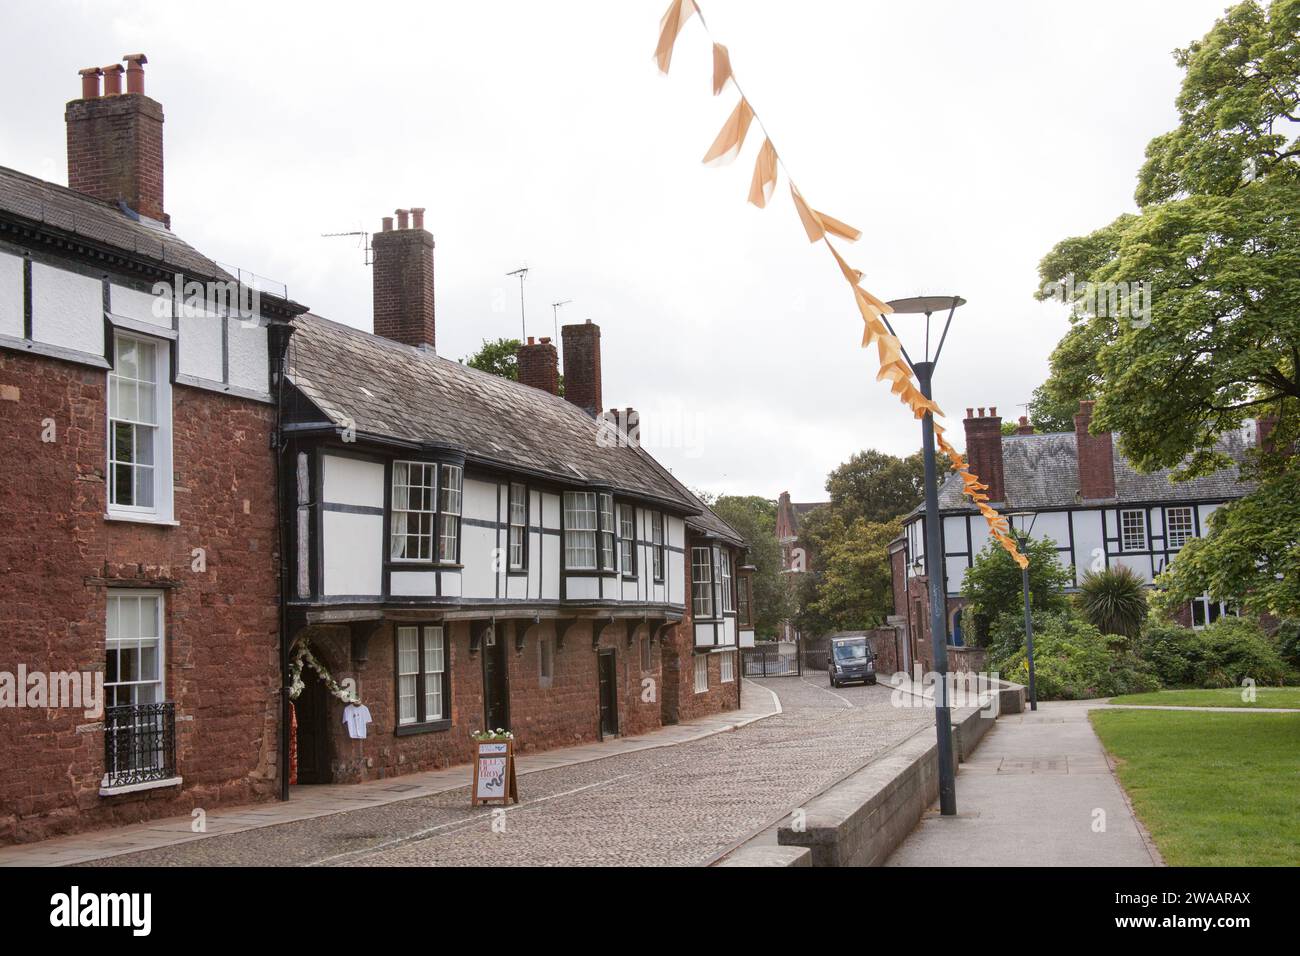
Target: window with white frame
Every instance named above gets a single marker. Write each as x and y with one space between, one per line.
627 539
134 646
702 582
518 526
1133 530
1180 527
580 530
422 691
413 511
139 427
724 571
606 532
657 543
727 665
449 498
701 673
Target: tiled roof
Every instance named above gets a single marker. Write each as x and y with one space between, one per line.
1042 471
92 219
395 391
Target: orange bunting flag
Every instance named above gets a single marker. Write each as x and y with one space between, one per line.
764 181
674 18
817 224
731 137
721 67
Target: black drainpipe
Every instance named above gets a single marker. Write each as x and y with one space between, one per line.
281 343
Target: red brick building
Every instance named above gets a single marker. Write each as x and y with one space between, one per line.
140 544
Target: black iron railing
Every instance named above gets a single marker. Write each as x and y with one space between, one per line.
140 743
760 662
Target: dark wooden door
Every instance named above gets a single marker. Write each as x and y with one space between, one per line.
312 709
496 691
607 677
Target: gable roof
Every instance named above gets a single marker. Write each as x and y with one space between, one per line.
1042 472
396 392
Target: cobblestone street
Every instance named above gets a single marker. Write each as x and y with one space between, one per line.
674 806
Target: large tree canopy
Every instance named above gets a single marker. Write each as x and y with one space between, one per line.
1217 246
755 519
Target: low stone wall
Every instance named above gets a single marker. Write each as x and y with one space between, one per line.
860 820
863 818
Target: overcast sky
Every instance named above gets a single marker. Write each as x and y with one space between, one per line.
964 139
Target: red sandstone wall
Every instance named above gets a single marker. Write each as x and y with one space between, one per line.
221 625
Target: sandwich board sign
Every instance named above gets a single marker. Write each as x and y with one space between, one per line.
494 772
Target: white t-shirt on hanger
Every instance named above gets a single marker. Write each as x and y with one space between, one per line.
355 717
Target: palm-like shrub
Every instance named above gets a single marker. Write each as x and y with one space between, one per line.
1114 601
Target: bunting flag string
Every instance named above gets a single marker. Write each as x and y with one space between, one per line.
893 366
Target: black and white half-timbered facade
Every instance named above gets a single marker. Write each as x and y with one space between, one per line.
477 552
1075 488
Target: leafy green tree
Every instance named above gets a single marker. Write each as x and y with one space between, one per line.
993 585
854 588
876 486
755 519
1216 245
497 357
1114 601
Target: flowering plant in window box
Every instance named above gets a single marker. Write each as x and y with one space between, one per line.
498 734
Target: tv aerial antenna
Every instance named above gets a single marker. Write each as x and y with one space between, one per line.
363 241
555 315
522 273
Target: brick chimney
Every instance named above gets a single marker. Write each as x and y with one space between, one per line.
582 366
1096 457
625 423
539 365
984 450
402 264
115 140
1024 428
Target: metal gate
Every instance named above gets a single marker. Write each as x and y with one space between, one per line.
759 662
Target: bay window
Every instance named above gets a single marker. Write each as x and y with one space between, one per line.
702 582
449 498
627 539
589 531
413 511
657 544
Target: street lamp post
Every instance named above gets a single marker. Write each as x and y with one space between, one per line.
934 569
1023 541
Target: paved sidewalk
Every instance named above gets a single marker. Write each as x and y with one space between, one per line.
310 802
1034 794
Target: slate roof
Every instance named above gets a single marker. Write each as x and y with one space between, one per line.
1042 471
95 220
395 391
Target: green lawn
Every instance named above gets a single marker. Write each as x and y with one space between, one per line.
1220 697
1213 789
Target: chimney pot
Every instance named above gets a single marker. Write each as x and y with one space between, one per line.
545 339
539 365
402 273
113 79
115 144
403 218
993 410
582 366
417 217
1024 427
135 72
90 82
984 451
970 413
